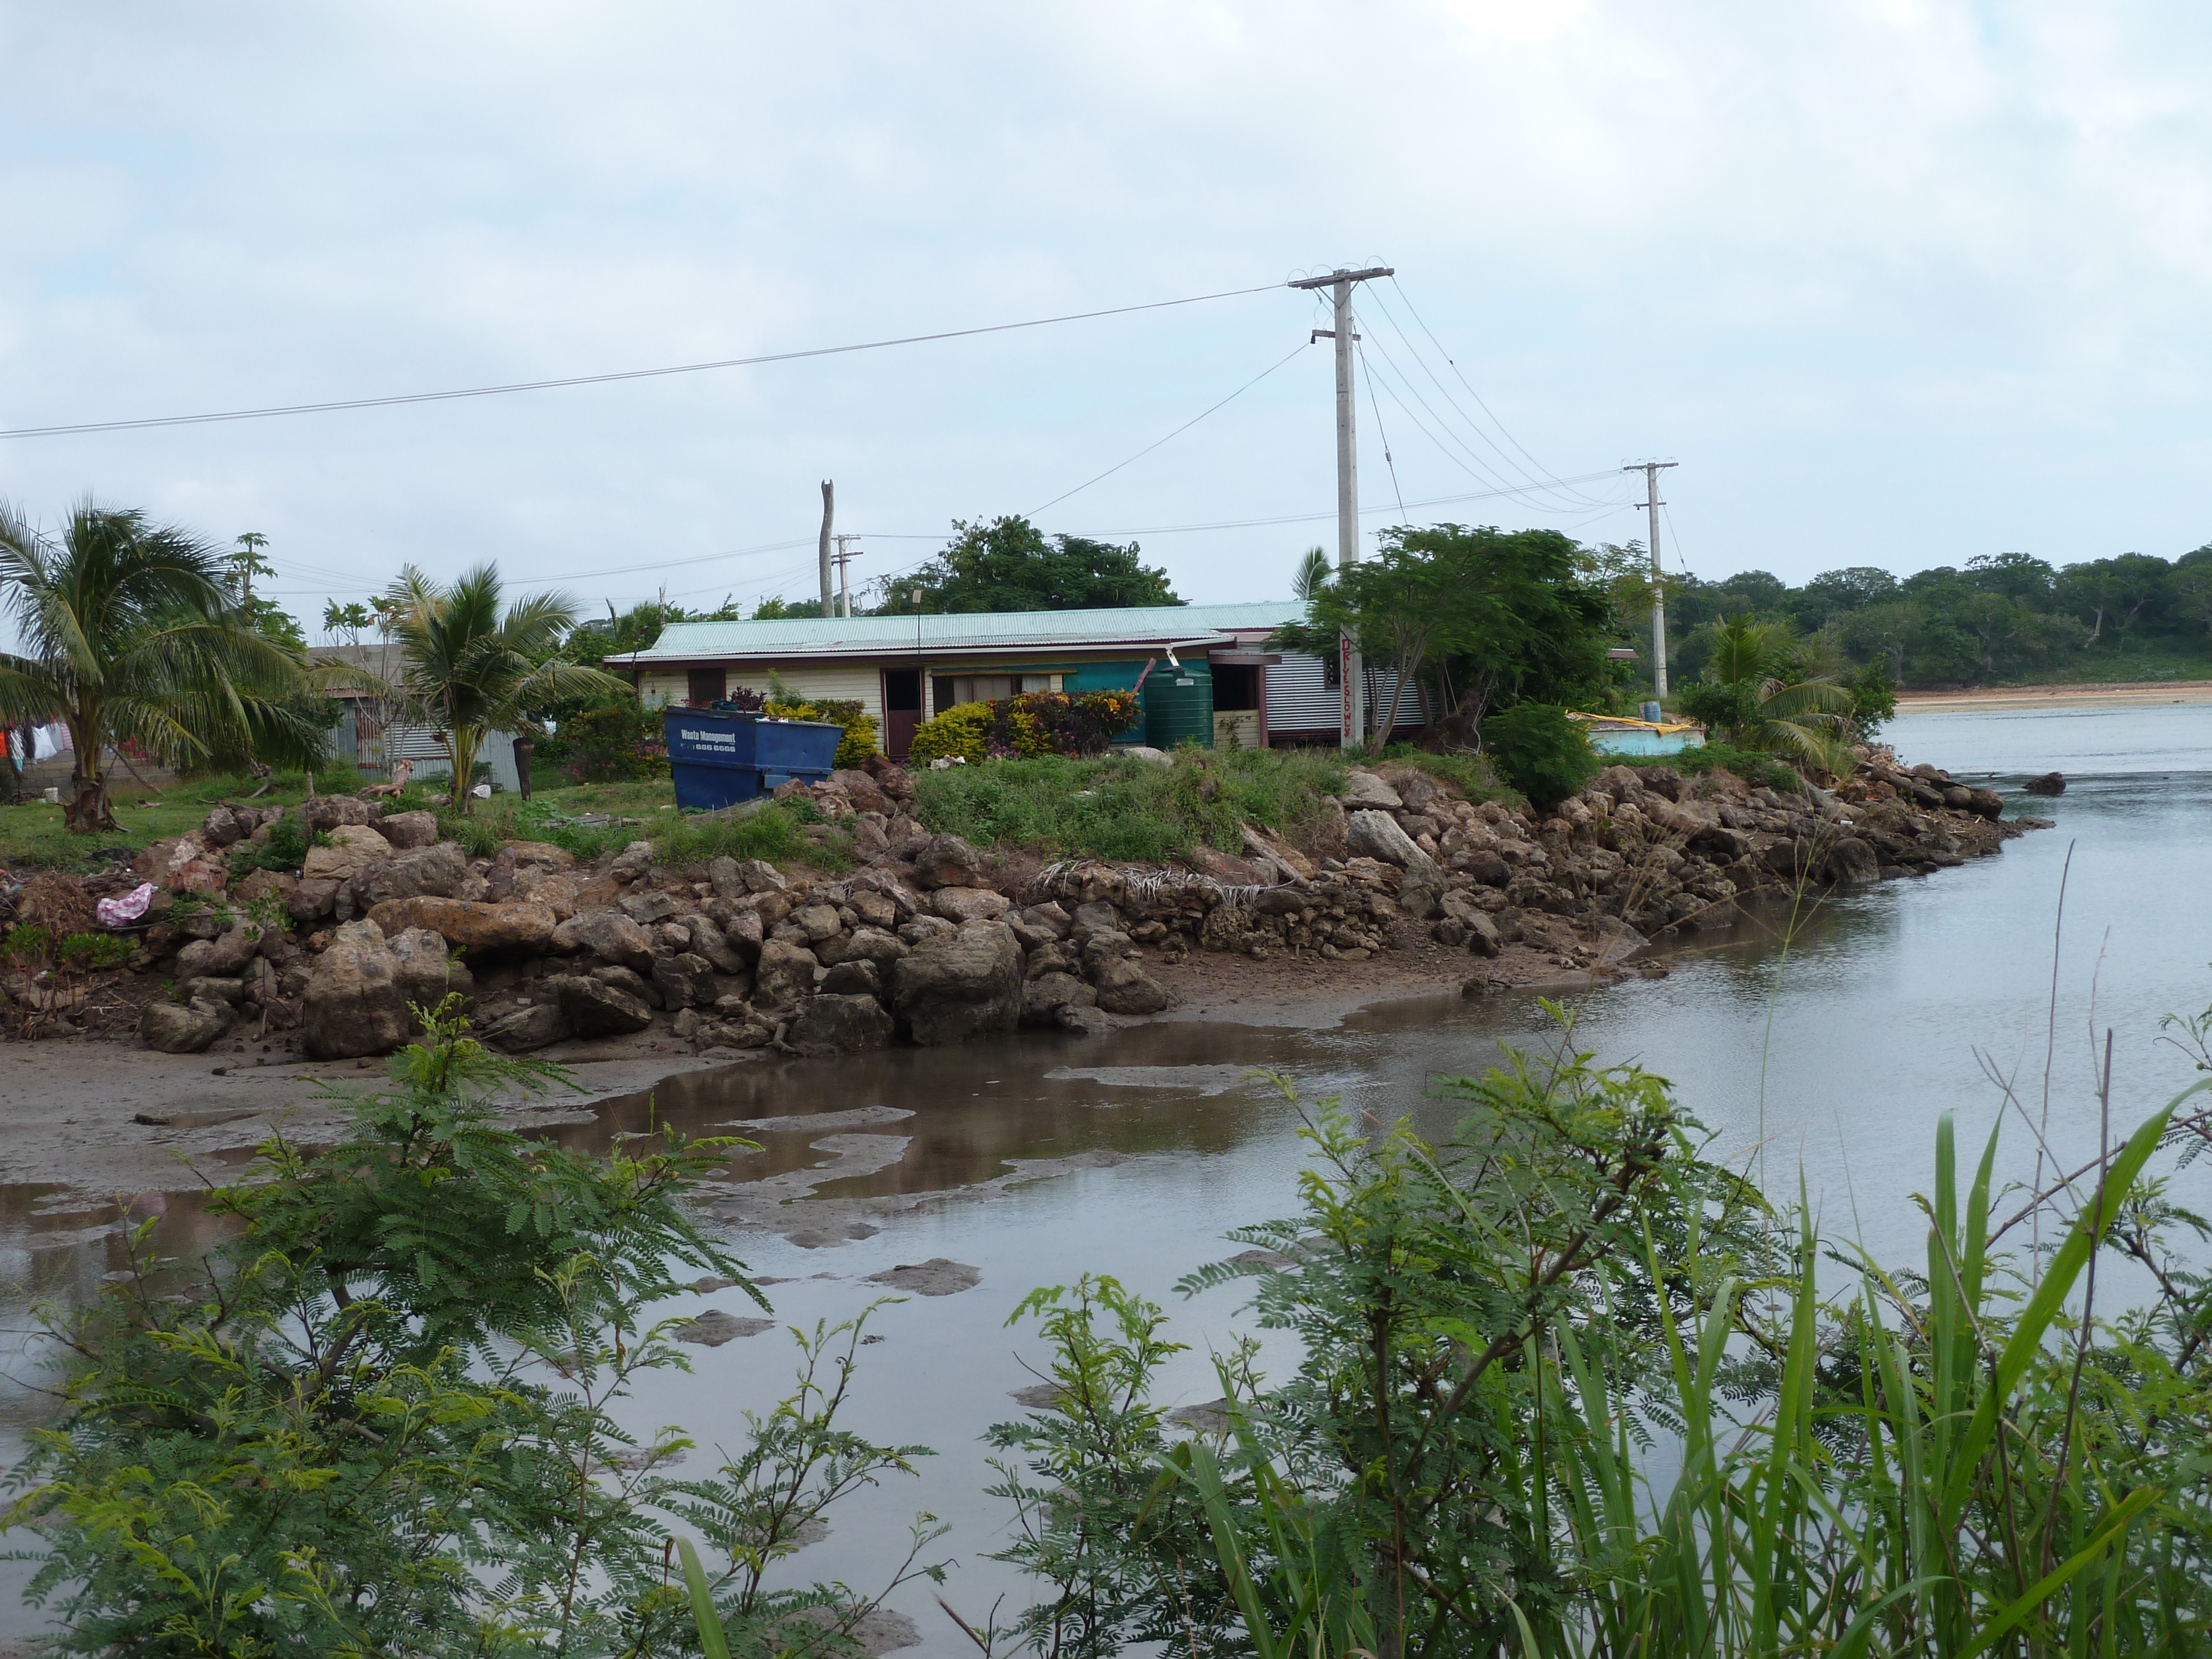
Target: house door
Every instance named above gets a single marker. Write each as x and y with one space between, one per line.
902 710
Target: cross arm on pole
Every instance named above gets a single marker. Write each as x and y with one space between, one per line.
1336 277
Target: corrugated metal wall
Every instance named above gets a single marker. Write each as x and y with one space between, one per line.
420 744
1300 699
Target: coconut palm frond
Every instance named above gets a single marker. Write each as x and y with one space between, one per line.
1812 697
1313 574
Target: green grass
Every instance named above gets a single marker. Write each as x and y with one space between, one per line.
1129 809
32 835
1753 767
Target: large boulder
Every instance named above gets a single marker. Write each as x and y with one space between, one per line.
427 973
783 975
334 812
525 1029
1043 997
222 827
861 945
222 957
311 899
409 829
969 903
707 940
183 1029
1374 834
961 984
440 871
354 847
865 794
354 1003
684 980
947 861
840 1025
1850 860
1363 788
470 924
595 1008
1123 987
606 934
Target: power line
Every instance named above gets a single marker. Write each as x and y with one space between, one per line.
1387 459
1414 353
274 411
1456 372
1177 432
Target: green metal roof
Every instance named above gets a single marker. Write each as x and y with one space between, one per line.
1008 630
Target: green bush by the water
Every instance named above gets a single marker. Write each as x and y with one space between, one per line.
1122 808
1752 769
1547 755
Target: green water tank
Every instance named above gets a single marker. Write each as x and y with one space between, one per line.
1179 705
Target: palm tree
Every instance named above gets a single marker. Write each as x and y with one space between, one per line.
130 633
469 671
1314 574
1743 695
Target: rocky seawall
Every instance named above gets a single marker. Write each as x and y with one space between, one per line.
933 941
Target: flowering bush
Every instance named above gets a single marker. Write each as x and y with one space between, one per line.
1077 726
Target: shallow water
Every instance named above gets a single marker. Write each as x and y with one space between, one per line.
1828 1041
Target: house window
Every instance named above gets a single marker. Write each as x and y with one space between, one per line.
707 685
953 689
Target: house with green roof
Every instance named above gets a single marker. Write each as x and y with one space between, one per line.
1203 670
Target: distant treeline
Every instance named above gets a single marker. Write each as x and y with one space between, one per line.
2006 615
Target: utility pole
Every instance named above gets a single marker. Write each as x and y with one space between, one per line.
828 516
1651 470
1351 670
843 561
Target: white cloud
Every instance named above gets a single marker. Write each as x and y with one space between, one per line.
1877 274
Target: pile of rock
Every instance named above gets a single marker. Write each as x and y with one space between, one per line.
933 944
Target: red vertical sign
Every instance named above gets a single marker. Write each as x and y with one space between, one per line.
1347 733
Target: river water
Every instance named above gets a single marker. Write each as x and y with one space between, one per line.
1826 1042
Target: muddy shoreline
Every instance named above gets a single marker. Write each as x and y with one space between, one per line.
86 1121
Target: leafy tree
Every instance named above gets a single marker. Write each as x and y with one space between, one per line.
1833 592
383 1420
2116 593
132 633
778 608
2020 576
468 670
2190 595
1490 616
1009 564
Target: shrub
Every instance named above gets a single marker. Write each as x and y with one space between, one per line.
285 849
959 733
613 741
1474 777
1079 727
1547 755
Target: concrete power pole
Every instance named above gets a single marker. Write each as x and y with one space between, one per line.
829 517
1352 670
1651 470
844 561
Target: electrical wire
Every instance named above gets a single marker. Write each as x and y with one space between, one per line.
1388 460
274 411
1177 432
1572 498
1414 313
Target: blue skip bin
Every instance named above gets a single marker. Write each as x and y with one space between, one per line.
721 759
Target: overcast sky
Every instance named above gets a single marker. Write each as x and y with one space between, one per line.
1896 284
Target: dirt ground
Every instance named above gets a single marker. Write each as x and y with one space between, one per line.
2141 694
84 1119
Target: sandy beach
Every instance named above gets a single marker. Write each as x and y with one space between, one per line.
2141 694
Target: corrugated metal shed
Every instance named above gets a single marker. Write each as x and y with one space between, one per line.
1010 630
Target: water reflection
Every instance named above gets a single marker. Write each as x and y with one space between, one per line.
1828 1040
